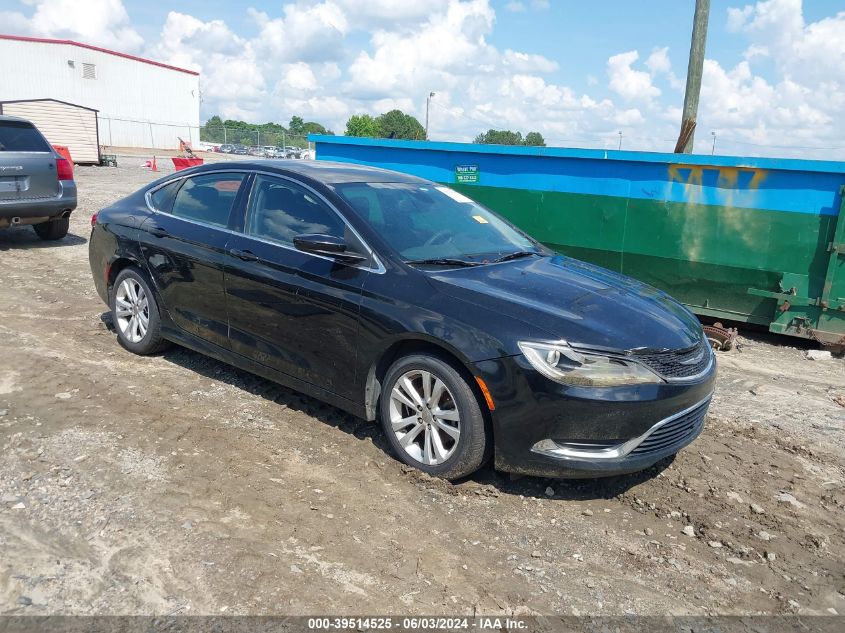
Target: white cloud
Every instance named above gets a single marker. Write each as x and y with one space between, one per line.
306 57
777 29
630 84
392 13
231 79
658 61
434 55
300 77
304 33
527 62
100 22
630 117
801 104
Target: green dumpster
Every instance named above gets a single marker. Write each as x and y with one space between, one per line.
755 240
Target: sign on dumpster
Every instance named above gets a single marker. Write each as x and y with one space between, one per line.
466 173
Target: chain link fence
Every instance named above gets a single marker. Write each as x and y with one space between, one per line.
122 132
268 137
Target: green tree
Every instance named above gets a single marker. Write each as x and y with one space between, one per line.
296 127
500 137
312 127
535 138
260 133
397 124
212 131
507 137
362 125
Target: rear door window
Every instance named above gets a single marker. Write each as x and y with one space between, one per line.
19 136
208 198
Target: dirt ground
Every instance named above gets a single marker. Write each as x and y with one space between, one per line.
178 485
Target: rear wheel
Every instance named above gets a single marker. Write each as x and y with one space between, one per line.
52 230
135 314
432 418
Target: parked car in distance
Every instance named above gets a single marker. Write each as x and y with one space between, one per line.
227 148
36 183
398 299
240 150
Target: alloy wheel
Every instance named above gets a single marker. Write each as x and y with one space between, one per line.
132 310
424 417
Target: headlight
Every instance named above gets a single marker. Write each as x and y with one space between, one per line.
563 364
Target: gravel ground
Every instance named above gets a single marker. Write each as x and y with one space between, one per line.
176 484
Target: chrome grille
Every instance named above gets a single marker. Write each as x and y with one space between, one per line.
679 431
678 364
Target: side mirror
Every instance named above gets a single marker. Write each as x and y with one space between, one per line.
327 246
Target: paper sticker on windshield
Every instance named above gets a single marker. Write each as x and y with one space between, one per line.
457 197
480 219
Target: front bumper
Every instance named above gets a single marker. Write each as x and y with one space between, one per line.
546 429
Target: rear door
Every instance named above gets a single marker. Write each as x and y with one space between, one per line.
184 246
27 163
289 310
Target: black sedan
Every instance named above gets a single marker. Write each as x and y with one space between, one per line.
401 300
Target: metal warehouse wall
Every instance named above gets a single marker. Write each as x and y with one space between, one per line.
747 239
140 104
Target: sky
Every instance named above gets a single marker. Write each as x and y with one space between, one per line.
584 74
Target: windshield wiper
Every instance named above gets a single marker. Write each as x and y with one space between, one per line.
443 261
516 255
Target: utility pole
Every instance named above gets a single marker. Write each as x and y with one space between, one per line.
427 103
713 150
620 139
694 71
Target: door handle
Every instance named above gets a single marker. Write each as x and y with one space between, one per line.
247 256
158 231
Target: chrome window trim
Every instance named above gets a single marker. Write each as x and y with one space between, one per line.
379 269
544 447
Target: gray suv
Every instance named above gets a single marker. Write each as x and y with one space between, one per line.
36 183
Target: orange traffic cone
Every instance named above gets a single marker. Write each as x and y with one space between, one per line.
155 168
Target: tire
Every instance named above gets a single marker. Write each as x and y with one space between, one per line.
52 230
132 303
453 452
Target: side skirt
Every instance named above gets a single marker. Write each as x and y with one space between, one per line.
229 357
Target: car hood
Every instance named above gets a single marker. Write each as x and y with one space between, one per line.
574 301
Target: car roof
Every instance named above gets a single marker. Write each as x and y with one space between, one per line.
326 172
5 117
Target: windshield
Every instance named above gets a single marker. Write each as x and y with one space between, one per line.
426 222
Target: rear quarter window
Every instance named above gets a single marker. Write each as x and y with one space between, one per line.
19 136
162 198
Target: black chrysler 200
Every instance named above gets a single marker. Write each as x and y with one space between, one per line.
398 299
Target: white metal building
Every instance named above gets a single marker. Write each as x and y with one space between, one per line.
62 123
141 102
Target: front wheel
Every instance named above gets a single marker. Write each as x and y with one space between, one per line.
135 314
432 417
52 230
